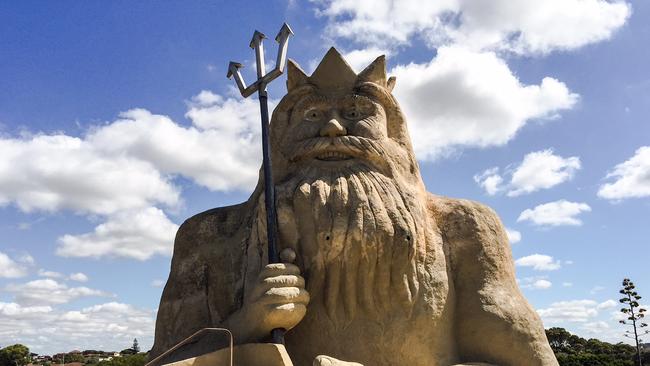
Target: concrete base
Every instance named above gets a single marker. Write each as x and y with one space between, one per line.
252 354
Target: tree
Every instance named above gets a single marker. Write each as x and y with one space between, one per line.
16 355
634 314
128 360
136 346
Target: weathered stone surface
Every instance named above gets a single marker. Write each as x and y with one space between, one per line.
385 272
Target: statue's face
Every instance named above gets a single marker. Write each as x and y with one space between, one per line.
352 219
334 131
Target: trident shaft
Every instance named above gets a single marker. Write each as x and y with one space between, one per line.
263 79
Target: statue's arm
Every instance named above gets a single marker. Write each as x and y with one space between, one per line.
204 279
494 322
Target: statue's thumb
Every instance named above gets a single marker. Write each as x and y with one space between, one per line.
287 255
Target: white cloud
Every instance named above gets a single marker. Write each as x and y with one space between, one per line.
79 277
361 58
26 259
539 262
569 311
138 235
536 283
596 289
542 284
631 178
538 170
47 330
63 172
14 310
524 27
221 151
9 268
542 170
49 274
123 172
555 213
567 284
49 291
609 304
157 283
514 236
470 99
490 180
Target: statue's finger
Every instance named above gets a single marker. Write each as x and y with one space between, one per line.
279 269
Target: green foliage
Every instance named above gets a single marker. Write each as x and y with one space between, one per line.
634 315
136 346
138 359
16 355
572 350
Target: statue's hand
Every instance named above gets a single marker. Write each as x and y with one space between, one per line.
278 300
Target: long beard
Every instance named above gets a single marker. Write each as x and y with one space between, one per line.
360 239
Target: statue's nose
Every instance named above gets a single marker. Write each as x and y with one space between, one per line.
333 128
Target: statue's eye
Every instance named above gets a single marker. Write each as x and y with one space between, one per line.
313 115
353 114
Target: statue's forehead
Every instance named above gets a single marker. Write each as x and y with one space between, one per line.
327 100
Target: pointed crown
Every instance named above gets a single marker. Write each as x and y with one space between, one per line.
335 74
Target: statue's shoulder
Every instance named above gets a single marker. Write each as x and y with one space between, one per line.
461 215
217 227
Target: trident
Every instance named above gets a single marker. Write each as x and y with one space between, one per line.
263 79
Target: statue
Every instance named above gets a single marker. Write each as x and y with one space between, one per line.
384 272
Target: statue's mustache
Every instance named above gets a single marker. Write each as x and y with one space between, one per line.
338 148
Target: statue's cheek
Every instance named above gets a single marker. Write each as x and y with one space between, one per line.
372 127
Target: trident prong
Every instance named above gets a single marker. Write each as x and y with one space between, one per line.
258 46
259 85
263 78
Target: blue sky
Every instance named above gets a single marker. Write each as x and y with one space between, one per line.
117 123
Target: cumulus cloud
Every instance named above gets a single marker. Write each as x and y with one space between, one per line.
137 235
522 27
79 277
124 172
538 170
609 304
581 311
49 274
361 58
48 291
514 236
539 262
221 151
631 178
490 180
48 330
569 311
555 213
464 98
27 259
10 268
535 283
157 283
11 309
64 172
542 170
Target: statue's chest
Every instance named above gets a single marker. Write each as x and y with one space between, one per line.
396 330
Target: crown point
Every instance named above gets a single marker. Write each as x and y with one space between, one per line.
333 72
375 72
295 76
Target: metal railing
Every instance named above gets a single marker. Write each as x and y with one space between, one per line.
186 340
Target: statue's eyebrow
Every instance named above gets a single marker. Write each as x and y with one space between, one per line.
356 98
312 99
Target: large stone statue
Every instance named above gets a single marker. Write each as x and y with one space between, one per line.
385 273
